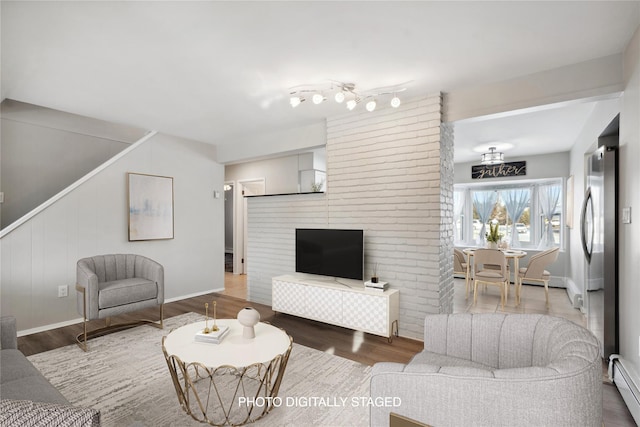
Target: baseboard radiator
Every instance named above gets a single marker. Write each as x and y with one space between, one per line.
574 293
628 386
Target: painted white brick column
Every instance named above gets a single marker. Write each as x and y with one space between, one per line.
390 173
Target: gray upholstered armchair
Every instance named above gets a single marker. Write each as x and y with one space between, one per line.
110 285
495 370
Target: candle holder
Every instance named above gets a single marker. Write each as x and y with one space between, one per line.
206 319
214 328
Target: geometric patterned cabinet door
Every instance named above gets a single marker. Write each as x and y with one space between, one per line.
366 312
319 298
289 297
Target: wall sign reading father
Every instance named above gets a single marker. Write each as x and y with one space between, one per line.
499 171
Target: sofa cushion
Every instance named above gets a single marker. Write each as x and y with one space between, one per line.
25 413
35 388
13 365
126 291
436 359
19 379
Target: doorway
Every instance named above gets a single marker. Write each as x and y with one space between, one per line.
245 188
228 226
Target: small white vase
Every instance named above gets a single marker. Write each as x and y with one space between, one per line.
248 317
492 245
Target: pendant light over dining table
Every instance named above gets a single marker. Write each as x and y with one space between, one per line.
493 157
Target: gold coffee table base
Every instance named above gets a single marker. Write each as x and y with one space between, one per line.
227 395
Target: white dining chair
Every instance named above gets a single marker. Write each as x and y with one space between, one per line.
498 276
535 272
460 268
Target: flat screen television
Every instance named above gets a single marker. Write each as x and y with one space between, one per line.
330 252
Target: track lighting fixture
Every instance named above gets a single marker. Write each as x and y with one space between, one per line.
342 92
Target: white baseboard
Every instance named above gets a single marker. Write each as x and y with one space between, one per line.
197 294
628 386
79 319
49 327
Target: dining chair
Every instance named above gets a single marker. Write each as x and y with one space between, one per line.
460 268
490 276
535 271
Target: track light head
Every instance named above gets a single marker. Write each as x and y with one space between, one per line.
295 100
395 102
318 98
339 97
371 105
351 104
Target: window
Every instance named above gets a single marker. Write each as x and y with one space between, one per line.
529 213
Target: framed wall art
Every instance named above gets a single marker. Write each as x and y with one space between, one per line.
150 207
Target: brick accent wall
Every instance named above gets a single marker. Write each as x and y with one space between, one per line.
390 173
271 228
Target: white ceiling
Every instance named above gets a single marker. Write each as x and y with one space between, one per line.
542 131
213 71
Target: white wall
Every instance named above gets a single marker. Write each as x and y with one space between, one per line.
629 196
277 143
590 79
43 151
42 253
280 174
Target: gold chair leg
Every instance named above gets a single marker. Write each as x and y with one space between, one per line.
81 339
83 344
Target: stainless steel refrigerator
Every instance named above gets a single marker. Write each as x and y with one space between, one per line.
599 232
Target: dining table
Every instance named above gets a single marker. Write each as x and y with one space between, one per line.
509 254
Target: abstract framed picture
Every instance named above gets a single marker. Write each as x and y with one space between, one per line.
150 207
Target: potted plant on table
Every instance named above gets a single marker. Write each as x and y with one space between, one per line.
493 236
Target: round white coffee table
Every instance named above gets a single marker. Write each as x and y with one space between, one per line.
231 383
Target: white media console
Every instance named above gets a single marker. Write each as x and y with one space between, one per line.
346 303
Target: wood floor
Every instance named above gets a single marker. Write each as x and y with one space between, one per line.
363 348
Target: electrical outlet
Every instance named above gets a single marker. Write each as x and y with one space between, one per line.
63 291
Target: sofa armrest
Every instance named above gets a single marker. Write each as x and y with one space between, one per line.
8 333
424 393
87 287
154 271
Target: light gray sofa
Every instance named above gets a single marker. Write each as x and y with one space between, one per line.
495 370
28 398
110 285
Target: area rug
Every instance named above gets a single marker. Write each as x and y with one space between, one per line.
125 376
